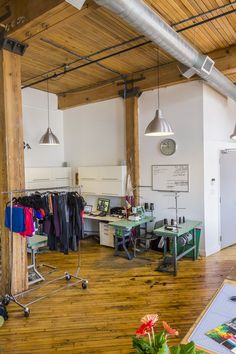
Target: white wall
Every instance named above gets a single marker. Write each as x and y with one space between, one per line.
35 118
94 134
219 121
182 107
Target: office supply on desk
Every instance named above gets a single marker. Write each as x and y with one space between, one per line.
118 211
88 209
134 218
225 335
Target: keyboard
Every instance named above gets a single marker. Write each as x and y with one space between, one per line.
98 213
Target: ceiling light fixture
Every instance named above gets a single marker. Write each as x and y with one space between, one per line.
49 138
233 136
158 126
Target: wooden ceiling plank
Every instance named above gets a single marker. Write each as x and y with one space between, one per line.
95 28
218 34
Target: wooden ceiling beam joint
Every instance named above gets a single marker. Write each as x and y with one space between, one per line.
225 60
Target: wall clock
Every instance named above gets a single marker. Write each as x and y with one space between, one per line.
168 147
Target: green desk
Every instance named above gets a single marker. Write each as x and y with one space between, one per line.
188 226
123 229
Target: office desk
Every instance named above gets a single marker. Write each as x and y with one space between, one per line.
123 228
106 232
107 218
188 226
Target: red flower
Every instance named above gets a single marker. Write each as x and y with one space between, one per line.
144 329
151 319
170 330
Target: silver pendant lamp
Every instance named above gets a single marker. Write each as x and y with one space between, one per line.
49 138
158 126
233 136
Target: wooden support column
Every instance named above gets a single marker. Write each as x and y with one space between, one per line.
11 169
132 143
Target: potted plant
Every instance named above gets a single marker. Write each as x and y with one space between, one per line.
149 341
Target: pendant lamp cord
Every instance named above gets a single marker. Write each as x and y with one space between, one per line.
48 102
158 77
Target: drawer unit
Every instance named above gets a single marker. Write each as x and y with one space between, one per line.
106 233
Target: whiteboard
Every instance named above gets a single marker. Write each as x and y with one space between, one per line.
170 178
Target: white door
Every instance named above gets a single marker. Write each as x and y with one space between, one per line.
228 198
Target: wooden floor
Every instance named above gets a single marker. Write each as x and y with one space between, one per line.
102 318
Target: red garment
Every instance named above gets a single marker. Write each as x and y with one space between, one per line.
29 223
42 212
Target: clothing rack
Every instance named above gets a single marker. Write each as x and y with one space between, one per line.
7 298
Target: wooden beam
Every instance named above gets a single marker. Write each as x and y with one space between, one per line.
132 144
31 18
225 60
11 169
25 12
169 74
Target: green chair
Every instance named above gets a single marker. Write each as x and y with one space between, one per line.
34 244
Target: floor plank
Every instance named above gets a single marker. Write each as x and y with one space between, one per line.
103 318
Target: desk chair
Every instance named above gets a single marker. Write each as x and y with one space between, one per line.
34 244
146 238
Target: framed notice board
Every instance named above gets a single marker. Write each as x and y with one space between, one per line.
170 178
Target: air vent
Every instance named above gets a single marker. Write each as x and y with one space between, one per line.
207 65
76 3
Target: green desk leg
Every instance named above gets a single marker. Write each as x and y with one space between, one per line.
165 245
121 241
195 245
175 254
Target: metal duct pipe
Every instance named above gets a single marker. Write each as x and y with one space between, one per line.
146 21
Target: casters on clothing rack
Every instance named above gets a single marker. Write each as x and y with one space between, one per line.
26 312
67 276
84 284
6 300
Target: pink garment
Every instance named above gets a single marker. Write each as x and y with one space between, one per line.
29 223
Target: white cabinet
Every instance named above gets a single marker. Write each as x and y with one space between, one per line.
47 177
103 180
106 234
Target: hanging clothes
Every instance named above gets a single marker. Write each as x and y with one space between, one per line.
18 218
29 223
61 214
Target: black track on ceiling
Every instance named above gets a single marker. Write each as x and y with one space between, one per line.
192 18
88 56
86 64
209 12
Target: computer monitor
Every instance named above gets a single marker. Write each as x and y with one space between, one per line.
103 205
